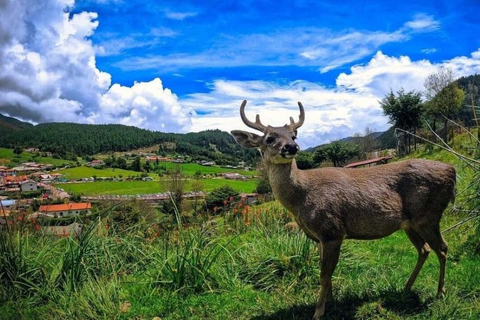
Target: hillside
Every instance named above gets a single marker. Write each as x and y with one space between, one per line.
73 139
380 140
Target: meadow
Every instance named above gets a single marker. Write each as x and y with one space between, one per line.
188 169
248 266
7 154
148 187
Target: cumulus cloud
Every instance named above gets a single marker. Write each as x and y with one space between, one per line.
48 72
331 113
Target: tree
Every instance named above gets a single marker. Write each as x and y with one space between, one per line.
445 98
136 165
175 184
404 111
367 142
221 196
305 160
338 152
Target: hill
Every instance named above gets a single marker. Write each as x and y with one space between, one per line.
379 140
68 140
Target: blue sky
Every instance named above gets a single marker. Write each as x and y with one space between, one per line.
186 65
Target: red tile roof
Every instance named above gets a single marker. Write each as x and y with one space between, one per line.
65 207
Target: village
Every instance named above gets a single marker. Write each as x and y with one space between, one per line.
30 190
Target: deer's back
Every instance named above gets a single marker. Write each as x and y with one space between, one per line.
374 202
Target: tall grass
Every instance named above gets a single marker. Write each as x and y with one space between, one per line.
246 265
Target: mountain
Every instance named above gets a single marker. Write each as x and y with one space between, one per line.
380 140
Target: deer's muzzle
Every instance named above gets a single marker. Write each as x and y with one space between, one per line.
289 150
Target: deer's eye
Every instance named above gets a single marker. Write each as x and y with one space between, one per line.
294 138
270 140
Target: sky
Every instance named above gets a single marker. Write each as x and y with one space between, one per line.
183 66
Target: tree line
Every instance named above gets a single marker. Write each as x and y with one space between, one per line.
70 140
445 100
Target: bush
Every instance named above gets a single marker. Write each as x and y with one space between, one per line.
222 198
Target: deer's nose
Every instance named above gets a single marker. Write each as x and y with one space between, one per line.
290 148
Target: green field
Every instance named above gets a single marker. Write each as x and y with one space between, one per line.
28 157
148 187
88 172
188 169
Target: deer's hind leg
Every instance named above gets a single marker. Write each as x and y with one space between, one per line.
423 250
431 234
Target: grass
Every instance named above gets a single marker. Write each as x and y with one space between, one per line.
148 187
236 270
7 154
88 172
188 169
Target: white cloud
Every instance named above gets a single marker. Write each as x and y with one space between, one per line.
145 105
331 113
48 73
179 15
423 23
299 46
429 50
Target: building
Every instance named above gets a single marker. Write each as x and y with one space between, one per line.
28 185
74 229
8 204
65 210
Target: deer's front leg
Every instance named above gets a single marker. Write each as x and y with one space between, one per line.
330 253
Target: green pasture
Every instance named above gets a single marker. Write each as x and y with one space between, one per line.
88 172
148 187
189 169
29 157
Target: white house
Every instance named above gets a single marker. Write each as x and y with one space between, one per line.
28 185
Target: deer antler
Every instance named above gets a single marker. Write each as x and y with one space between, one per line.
296 125
254 125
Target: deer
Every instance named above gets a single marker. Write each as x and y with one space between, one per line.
332 204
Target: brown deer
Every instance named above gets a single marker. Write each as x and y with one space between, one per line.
333 204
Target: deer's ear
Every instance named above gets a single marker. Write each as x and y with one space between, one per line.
247 139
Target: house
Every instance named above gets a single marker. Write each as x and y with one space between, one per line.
94 163
46 178
31 150
8 204
234 176
249 198
14 181
74 229
28 185
159 159
147 179
64 210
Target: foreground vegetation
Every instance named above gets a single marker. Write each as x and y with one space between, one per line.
248 266
141 264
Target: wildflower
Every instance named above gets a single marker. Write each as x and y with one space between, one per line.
225 202
247 208
235 210
215 209
34 221
107 226
37 227
231 199
20 218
